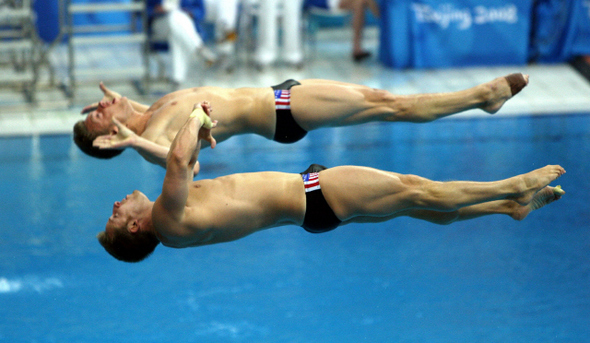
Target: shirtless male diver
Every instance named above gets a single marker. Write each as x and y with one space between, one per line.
188 214
284 113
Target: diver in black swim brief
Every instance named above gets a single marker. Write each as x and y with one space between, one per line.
196 213
116 123
319 217
287 130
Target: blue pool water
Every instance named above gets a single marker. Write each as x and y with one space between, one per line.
487 280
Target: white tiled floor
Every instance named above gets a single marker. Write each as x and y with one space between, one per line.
552 88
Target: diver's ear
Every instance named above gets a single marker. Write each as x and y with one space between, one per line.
114 129
133 226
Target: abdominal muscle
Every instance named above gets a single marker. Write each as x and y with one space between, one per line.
238 111
231 207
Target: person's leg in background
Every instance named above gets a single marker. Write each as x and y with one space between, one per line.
266 43
184 41
224 15
358 7
291 20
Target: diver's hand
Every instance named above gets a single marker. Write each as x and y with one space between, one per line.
120 138
203 112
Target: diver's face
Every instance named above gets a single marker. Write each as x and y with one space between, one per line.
125 211
100 120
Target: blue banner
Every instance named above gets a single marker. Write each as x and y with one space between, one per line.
561 30
435 34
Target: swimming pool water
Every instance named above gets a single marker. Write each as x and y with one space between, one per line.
487 280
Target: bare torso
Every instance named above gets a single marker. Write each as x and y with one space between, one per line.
239 110
234 206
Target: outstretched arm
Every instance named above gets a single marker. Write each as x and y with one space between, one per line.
108 96
122 137
181 161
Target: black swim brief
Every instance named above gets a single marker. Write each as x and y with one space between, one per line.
319 217
286 130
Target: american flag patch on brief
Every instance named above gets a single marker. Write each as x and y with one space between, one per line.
282 99
311 181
